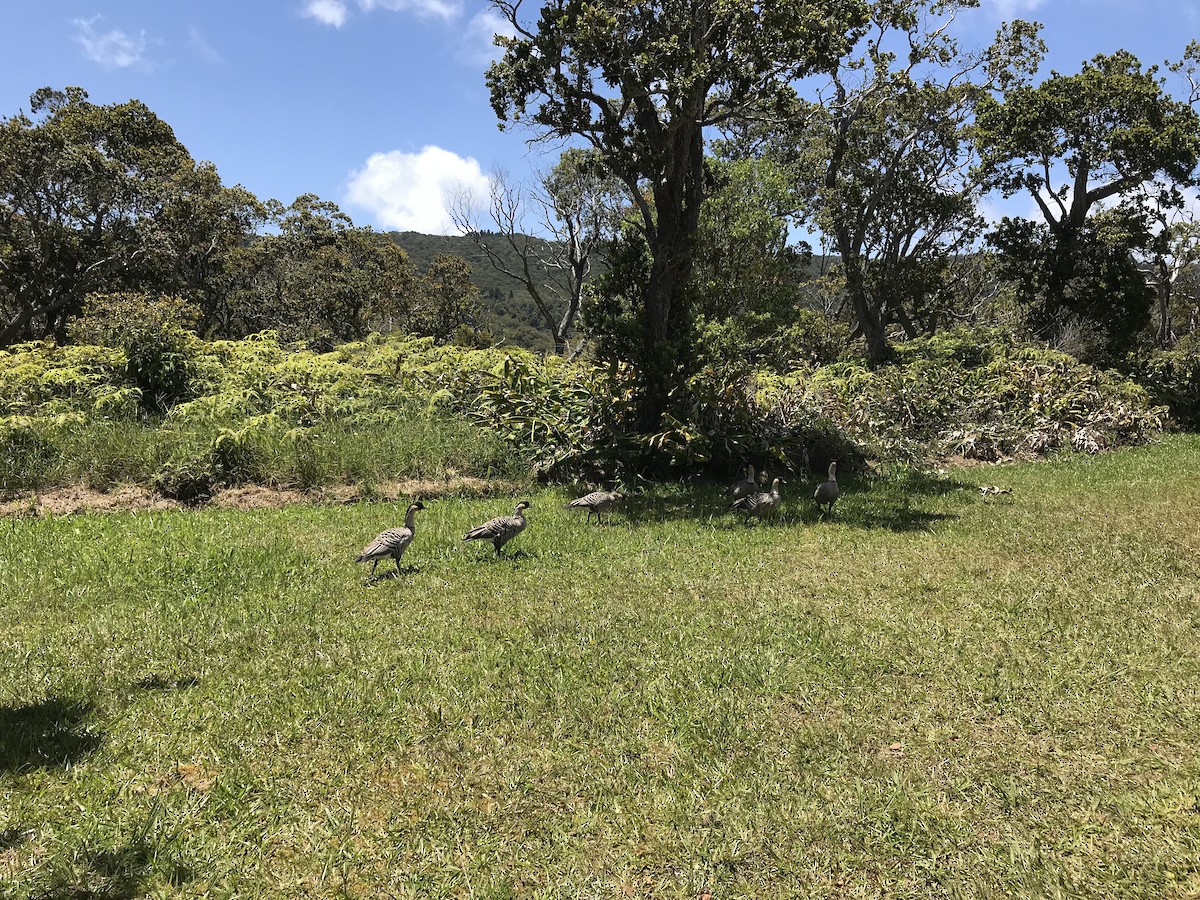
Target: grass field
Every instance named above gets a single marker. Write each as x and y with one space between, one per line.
938 694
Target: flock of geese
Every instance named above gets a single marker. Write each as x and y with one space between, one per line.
748 499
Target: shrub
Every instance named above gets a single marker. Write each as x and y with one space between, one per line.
984 395
1172 378
153 332
191 483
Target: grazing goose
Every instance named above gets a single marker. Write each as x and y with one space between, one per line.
596 502
392 542
827 491
761 504
501 529
745 487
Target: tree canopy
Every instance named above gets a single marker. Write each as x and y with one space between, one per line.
640 83
99 198
1086 147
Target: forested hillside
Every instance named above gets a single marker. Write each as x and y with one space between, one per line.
505 307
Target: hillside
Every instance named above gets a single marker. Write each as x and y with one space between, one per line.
508 311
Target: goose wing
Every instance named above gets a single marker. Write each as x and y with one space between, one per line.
494 528
589 501
387 543
827 492
751 502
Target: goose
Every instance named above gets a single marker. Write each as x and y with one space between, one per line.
501 529
745 487
760 504
392 542
596 502
827 491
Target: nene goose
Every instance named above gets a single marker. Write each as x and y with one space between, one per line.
827 491
745 487
761 504
596 502
392 542
501 529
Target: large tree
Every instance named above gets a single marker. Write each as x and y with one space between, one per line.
640 83
881 152
1081 145
100 199
1172 262
315 276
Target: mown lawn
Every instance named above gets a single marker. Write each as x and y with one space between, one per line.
938 694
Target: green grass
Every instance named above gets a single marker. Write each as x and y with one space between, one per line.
408 444
937 694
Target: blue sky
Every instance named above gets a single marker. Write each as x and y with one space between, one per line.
380 105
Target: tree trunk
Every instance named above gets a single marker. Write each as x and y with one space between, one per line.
678 195
665 320
1166 334
870 317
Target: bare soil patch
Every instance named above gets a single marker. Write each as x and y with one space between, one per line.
79 498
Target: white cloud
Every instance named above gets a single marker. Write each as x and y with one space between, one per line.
327 12
409 191
1010 8
336 12
113 49
203 48
478 47
443 9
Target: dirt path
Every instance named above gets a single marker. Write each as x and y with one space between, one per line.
78 498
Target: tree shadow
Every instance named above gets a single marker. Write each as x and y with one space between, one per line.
157 681
897 503
894 517
894 502
677 504
50 733
118 874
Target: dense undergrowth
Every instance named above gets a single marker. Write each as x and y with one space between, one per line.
196 414
249 411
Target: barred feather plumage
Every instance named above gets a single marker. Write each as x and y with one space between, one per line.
501 529
391 543
760 504
595 502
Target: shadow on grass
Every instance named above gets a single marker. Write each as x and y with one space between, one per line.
392 574
52 732
894 503
898 503
506 556
898 517
159 682
118 874
12 837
